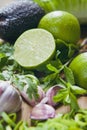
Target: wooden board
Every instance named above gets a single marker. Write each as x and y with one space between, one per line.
24 113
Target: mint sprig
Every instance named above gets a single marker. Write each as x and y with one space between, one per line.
69 91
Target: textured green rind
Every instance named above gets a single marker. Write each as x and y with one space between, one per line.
79 69
62 25
76 7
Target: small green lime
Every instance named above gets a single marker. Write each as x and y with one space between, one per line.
34 47
62 25
79 69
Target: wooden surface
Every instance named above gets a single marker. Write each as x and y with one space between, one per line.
24 113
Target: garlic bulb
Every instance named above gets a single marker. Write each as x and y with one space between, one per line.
10 99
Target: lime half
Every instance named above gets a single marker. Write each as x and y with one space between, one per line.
34 48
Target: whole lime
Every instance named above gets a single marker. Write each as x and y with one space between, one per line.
79 69
62 25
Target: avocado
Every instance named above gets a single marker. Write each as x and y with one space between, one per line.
18 17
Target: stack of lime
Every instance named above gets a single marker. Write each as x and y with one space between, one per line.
36 47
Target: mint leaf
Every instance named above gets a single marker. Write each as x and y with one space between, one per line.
61 96
52 68
78 90
74 104
69 75
72 49
50 80
55 65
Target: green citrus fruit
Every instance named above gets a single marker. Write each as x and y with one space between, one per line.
34 48
62 25
79 69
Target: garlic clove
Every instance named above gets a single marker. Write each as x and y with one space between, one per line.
3 85
33 101
44 100
10 99
18 106
16 101
42 112
51 93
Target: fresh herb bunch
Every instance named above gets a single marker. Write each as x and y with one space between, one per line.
69 92
10 70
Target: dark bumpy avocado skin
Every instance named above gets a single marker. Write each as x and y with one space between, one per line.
17 18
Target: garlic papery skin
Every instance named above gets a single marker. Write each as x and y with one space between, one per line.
34 101
42 112
51 93
10 99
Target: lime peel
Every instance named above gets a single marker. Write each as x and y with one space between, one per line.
62 25
79 68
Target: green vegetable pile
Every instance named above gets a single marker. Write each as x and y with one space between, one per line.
62 122
9 122
10 70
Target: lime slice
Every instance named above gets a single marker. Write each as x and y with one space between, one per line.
34 48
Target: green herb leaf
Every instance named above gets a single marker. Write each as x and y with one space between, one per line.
52 68
74 104
2 55
61 96
7 49
1 127
78 90
69 75
32 90
72 49
50 80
